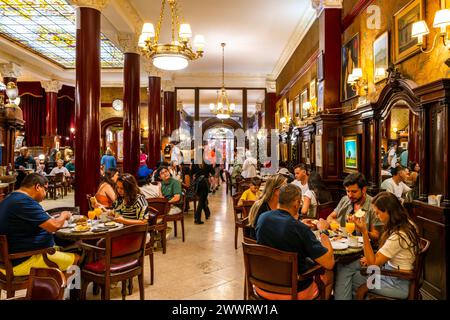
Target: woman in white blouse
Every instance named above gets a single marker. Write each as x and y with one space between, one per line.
399 246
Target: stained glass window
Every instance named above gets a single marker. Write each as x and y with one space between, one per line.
47 27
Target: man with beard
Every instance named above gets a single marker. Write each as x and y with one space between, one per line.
356 187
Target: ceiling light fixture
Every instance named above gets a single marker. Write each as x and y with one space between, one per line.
177 54
223 108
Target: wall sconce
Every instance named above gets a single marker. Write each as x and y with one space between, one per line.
72 130
283 120
441 20
357 81
13 95
395 130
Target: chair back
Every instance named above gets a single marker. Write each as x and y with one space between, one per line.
324 210
46 284
160 204
246 206
5 263
415 285
270 269
59 177
127 244
56 211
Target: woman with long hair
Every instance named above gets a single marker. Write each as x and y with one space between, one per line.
267 202
316 194
130 205
106 195
399 247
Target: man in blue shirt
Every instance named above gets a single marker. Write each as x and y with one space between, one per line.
281 229
28 227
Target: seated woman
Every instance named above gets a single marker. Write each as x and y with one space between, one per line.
106 195
399 247
252 193
130 204
267 202
316 194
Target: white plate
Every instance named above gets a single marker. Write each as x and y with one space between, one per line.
339 245
358 245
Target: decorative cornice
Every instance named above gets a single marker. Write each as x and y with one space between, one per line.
94 4
128 42
298 35
51 85
130 14
271 86
320 5
10 70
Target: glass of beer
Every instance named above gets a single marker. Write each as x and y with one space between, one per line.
334 225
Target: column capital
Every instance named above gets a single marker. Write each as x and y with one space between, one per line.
271 85
51 85
320 5
168 85
10 70
94 4
151 70
128 42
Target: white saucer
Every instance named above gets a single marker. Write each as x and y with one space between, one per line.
339 245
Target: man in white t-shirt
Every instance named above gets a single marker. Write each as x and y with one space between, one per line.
392 155
396 184
301 178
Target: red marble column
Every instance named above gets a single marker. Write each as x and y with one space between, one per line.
154 121
330 45
87 105
131 123
170 108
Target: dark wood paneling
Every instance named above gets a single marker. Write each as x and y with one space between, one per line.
357 9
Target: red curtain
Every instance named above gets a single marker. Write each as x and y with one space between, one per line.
33 109
66 113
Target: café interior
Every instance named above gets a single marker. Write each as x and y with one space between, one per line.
343 87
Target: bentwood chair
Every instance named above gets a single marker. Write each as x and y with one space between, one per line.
162 208
273 274
121 259
323 210
46 284
8 281
414 277
178 216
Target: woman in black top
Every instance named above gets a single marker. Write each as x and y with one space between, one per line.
200 175
267 202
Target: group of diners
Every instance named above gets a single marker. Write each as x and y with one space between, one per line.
390 238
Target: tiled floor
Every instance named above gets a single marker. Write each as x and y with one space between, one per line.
205 266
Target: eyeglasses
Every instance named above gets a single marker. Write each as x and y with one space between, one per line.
43 187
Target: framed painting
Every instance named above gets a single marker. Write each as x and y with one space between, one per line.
320 57
404 44
303 101
350 60
312 89
297 107
351 159
290 113
381 57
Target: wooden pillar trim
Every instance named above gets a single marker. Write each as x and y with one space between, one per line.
154 121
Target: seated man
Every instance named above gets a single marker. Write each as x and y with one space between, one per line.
60 169
396 184
281 229
252 193
171 189
28 227
356 187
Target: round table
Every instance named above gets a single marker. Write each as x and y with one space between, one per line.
69 234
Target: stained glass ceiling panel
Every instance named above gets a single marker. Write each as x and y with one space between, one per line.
47 27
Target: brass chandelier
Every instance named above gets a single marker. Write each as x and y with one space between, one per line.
177 54
223 108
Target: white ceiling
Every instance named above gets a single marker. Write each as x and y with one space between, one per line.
260 36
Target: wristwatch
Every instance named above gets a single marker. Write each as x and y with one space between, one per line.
325 232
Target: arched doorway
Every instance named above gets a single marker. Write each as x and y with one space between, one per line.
112 136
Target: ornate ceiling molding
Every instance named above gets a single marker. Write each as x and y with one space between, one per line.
271 86
130 13
10 70
94 4
320 5
128 42
51 86
306 21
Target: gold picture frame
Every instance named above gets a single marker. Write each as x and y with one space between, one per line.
381 56
405 46
350 152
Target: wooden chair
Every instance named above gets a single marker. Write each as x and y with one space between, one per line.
56 183
162 208
415 278
46 284
194 199
8 281
178 217
324 210
239 216
275 271
152 221
121 259
228 181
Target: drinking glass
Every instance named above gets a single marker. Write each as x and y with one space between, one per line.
334 225
92 214
350 227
